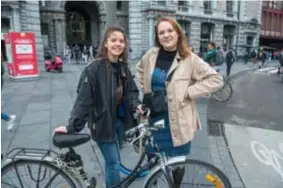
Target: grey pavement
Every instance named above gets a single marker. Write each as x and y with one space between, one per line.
45 103
251 125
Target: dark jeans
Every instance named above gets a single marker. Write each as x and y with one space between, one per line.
111 155
229 66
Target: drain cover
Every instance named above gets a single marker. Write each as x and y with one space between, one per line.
215 128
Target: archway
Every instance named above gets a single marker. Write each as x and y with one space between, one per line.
82 22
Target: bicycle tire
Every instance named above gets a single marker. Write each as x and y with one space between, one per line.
225 181
5 169
228 86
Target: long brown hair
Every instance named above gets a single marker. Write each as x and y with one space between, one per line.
102 53
182 44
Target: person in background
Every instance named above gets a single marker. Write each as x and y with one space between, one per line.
85 54
230 59
90 50
172 77
209 57
108 96
10 119
67 54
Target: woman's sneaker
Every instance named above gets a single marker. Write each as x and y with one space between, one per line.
11 122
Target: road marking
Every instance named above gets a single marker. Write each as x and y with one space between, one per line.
268 70
265 69
268 157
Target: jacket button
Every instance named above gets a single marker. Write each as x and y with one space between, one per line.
170 100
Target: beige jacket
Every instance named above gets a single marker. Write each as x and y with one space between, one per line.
192 78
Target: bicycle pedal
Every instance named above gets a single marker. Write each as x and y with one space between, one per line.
92 183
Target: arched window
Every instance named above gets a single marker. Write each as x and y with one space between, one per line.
76 28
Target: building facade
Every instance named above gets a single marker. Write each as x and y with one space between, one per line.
231 24
272 24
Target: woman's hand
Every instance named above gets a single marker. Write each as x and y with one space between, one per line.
61 129
140 109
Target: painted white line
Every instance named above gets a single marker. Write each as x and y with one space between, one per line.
273 71
268 157
265 69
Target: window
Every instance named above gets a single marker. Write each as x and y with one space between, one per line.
76 28
44 28
119 5
161 3
229 8
207 7
181 3
182 6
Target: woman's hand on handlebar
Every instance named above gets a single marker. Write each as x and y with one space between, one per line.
61 129
141 109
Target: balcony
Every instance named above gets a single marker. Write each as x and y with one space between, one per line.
230 14
207 11
183 9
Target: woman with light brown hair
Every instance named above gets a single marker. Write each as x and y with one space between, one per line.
172 77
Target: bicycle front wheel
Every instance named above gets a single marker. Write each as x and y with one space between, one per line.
190 174
33 173
223 94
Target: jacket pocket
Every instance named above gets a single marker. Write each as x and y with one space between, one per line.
98 115
180 86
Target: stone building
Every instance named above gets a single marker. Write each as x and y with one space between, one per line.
57 23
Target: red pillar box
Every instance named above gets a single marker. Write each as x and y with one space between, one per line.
21 55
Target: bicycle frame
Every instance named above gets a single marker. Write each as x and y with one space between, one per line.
164 163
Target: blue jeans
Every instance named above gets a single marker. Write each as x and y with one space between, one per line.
5 117
111 154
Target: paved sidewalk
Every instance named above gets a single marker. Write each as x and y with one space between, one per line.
43 104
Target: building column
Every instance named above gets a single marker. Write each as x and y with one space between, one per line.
15 21
102 26
136 21
60 32
218 34
111 9
151 31
195 35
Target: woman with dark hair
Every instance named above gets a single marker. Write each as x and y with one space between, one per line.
172 77
108 95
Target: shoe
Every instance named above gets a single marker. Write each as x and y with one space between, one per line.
11 122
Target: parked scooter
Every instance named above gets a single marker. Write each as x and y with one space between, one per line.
55 64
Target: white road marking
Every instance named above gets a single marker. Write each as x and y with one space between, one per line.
268 157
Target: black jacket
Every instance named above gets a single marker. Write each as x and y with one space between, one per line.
96 100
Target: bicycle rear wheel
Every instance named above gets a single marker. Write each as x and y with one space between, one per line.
223 94
209 177
33 173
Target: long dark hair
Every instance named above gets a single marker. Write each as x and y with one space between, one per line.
182 44
102 53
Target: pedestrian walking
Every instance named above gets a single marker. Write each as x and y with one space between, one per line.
172 77
9 119
230 59
109 73
85 54
90 50
67 54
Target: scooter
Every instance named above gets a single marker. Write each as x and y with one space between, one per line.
54 65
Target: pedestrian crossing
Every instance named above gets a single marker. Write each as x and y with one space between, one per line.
267 70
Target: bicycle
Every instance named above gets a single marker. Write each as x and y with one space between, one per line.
224 93
70 167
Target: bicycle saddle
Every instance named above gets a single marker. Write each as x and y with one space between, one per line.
66 140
